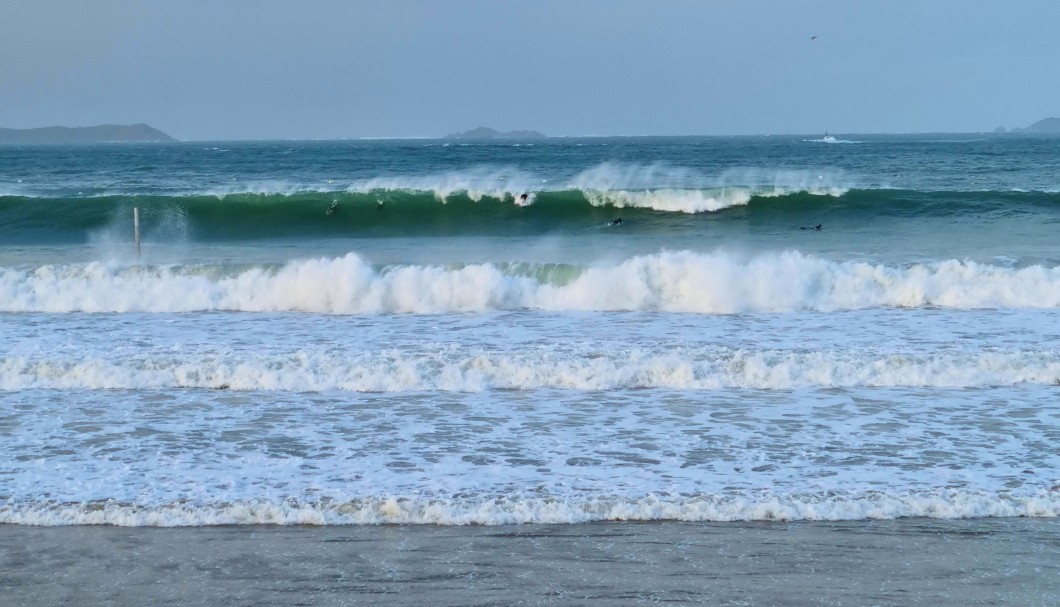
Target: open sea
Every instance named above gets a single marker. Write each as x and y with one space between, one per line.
733 371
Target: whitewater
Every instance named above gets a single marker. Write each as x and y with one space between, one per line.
669 281
369 333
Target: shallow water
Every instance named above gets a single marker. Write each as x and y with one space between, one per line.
886 563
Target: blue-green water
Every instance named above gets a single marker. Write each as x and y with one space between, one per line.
386 331
889 198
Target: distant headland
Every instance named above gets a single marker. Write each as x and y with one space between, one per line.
488 133
105 133
1045 125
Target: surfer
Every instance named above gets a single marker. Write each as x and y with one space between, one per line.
615 222
334 207
816 227
523 197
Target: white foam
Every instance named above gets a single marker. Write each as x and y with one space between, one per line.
461 369
507 510
695 201
830 139
478 183
676 189
672 200
715 283
631 176
654 186
259 188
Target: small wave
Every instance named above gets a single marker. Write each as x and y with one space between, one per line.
508 510
830 139
474 370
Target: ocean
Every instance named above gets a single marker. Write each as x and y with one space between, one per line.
832 355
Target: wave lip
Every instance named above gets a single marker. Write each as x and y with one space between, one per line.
697 200
666 188
508 510
500 183
657 187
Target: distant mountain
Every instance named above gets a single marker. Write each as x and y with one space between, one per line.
105 133
488 133
1045 125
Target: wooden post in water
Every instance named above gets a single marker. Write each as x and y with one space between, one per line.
136 228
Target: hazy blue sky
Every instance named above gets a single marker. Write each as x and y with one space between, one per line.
258 69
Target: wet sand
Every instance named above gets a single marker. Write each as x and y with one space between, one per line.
883 563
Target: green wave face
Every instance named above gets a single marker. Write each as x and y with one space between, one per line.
390 213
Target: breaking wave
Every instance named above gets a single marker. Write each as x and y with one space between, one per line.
683 281
571 368
506 510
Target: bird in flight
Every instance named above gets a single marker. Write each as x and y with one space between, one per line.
813 37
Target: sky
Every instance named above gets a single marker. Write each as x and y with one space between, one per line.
335 69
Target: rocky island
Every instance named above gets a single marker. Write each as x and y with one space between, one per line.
1045 125
105 133
488 133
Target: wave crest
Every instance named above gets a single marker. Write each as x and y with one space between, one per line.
683 281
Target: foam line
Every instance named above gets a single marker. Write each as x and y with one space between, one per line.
505 510
558 367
